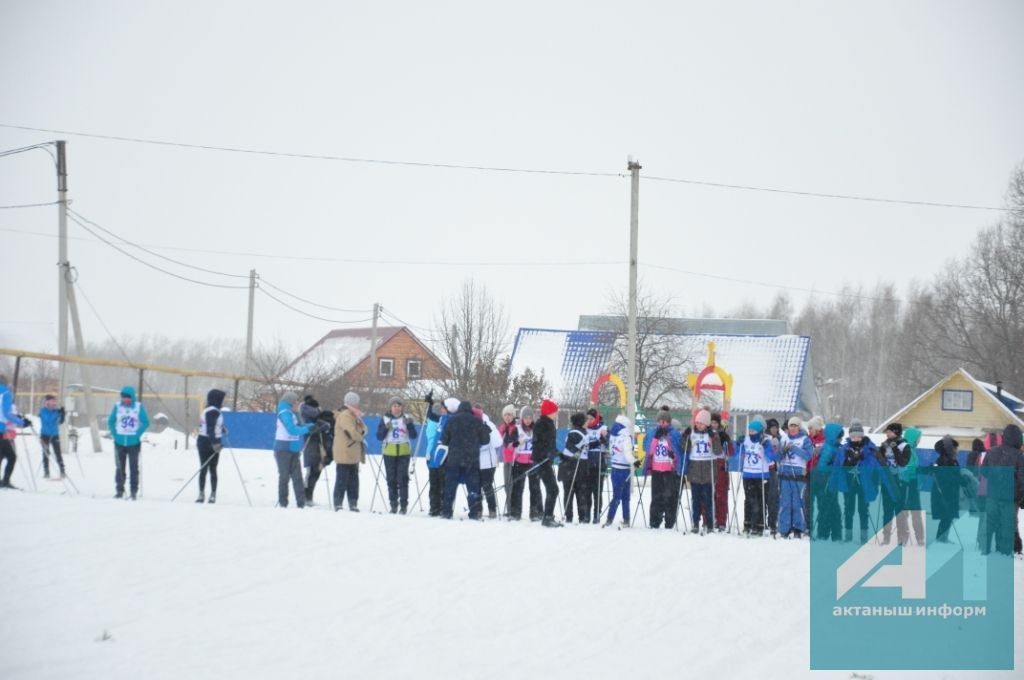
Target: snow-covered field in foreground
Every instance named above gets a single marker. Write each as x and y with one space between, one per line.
196 591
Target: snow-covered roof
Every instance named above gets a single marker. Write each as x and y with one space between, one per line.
338 350
1012 402
985 388
768 370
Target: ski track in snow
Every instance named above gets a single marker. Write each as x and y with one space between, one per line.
189 590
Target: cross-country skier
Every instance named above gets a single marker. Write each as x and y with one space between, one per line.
464 434
520 438
8 420
572 471
396 432
127 422
721 475
755 453
349 452
663 459
544 452
50 420
622 459
208 443
490 454
700 446
288 440
597 460
795 450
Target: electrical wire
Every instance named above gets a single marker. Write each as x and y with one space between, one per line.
310 302
28 205
311 316
74 219
23 149
151 252
814 194
318 157
487 168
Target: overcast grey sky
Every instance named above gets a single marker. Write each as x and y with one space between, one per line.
910 100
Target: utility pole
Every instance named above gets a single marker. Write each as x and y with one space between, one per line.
83 370
62 271
373 350
634 207
248 333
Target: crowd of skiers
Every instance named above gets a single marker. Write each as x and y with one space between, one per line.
799 479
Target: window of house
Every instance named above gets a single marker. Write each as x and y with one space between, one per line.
386 368
413 369
957 400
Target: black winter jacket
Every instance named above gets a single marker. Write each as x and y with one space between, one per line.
464 434
543 439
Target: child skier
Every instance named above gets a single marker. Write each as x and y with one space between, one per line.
572 472
663 459
622 460
490 454
8 421
795 450
396 432
755 453
721 472
826 479
437 418
208 443
288 440
597 460
894 456
50 420
127 422
507 430
520 439
701 445
544 453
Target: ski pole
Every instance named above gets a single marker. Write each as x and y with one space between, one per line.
239 470
26 467
568 499
640 500
376 482
194 475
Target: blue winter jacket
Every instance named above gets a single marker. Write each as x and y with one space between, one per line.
49 422
769 454
675 443
128 439
805 450
286 416
868 471
435 428
7 410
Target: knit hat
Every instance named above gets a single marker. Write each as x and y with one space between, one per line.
716 418
621 419
817 423
435 409
703 417
452 404
578 420
351 399
393 401
593 413
756 426
856 428
509 410
895 428
525 412
770 423
548 408
664 416
48 397
289 397
795 420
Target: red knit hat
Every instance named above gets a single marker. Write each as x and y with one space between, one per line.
548 407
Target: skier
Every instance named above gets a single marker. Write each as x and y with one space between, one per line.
544 453
857 458
795 449
597 460
316 448
208 443
816 432
910 491
721 472
755 453
490 453
349 452
8 420
464 434
700 446
1003 468
437 417
622 459
826 479
287 447
396 432
771 489
946 487
50 420
894 456
127 422
507 430
572 471
663 459
520 439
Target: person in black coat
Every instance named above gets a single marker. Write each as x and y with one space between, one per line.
544 450
464 434
1003 468
946 487
208 443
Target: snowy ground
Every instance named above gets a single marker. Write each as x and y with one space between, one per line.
99 588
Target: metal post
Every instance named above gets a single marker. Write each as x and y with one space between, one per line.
234 403
186 413
634 207
372 377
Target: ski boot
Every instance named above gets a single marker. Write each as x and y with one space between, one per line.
202 498
212 499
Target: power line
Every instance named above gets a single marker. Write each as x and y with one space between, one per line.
23 149
28 205
153 253
341 260
148 264
310 302
765 284
318 157
487 168
304 313
846 197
